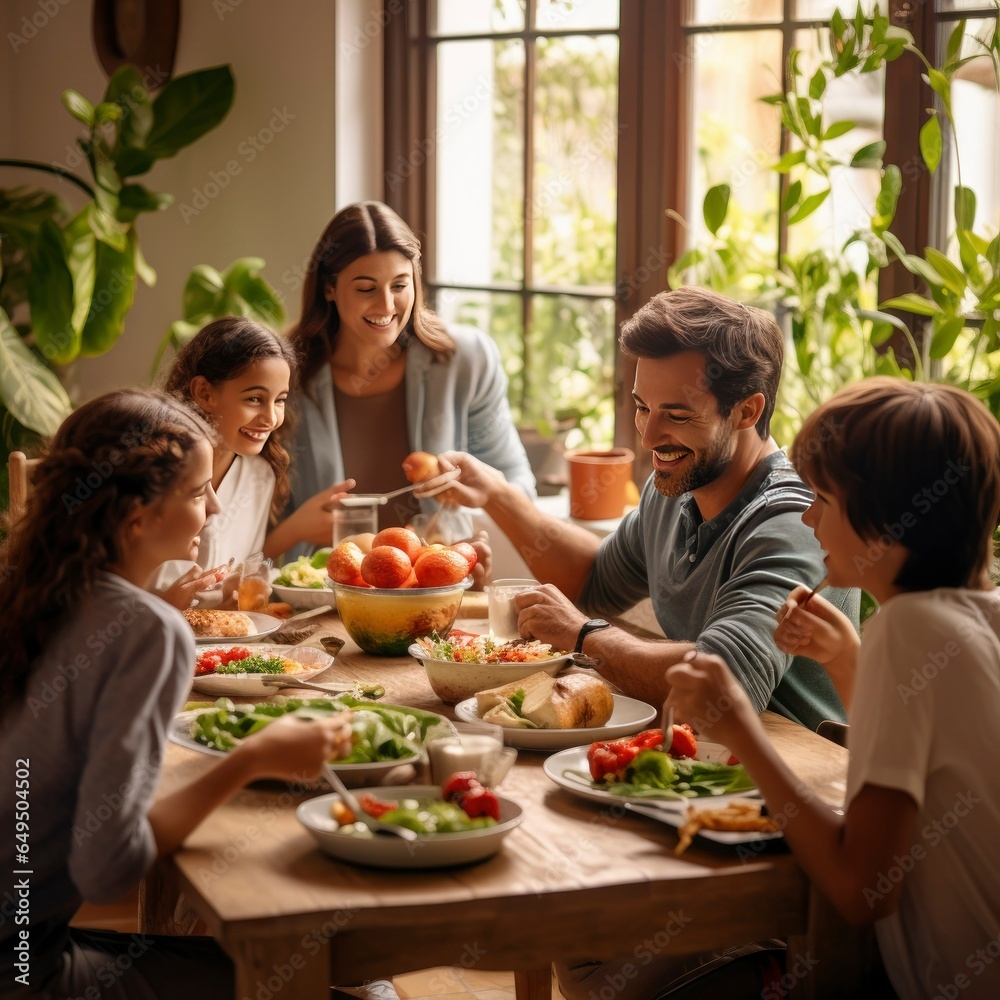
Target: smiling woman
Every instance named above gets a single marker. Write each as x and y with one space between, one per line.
377 360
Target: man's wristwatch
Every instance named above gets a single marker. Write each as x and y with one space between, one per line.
589 626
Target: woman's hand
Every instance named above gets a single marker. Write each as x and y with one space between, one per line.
183 590
294 749
815 629
706 695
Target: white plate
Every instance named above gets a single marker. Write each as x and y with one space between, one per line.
677 819
263 624
434 850
352 774
314 660
628 717
575 759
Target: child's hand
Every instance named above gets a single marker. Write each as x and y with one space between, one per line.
706 695
312 522
819 630
294 749
182 591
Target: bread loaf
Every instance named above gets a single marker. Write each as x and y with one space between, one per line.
209 624
572 701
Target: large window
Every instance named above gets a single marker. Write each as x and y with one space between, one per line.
555 155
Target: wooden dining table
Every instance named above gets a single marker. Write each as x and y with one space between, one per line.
576 879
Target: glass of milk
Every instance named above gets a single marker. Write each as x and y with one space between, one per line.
473 747
500 596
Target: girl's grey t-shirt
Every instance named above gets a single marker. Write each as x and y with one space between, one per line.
90 734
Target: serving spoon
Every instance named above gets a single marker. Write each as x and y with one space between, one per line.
360 816
370 691
433 486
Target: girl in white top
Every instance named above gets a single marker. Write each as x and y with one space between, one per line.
237 374
93 671
907 483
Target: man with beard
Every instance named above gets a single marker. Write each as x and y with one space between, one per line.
717 541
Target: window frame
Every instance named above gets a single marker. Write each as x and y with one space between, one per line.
654 102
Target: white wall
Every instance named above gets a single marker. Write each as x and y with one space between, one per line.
308 97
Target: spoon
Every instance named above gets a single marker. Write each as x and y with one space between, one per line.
812 593
375 825
436 484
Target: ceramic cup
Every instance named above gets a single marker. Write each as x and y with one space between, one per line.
473 747
500 596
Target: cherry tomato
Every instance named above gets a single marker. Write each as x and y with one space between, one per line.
684 743
455 786
480 802
376 807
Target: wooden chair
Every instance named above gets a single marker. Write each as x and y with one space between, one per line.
19 468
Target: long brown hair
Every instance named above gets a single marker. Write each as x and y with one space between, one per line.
355 231
917 462
222 351
122 449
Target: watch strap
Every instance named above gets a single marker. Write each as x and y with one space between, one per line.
589 626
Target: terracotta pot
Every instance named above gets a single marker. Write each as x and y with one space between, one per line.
598 483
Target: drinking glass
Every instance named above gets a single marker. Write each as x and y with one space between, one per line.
500 596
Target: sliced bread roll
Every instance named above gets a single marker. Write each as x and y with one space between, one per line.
573 701
219 624
485 700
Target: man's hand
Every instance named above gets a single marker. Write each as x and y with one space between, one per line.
548 615
705 694
476 482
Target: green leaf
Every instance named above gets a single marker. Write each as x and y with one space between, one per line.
911 302
78 238
134 198
715 207
107 112
838 129
107 228
883 325
952 277
887 198
993 254
970 248
242 278
142 268
945 335
955 41
789 160
941 86
817 85
870 156
930 142
50 293
965 207
808 206
792 196
31 392
114 289
78 106
187 108
202 291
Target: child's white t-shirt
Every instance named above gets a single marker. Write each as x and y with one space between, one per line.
926 721
241 526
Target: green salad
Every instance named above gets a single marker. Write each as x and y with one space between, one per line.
381 732
306 571
655 775
424 815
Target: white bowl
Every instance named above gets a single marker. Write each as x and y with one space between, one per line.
305 598
453 682
435 850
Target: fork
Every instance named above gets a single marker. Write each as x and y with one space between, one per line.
436 484
375 825
667 725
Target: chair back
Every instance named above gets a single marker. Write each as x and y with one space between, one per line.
19 469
